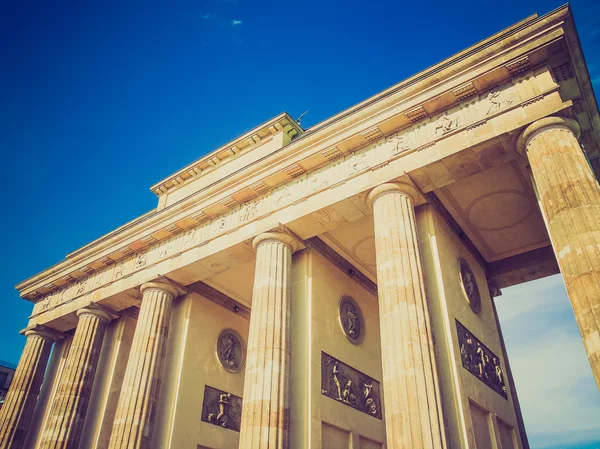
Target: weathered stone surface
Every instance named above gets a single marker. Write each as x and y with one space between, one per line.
67 412
20 400
570 199
265 415
411 394
134 418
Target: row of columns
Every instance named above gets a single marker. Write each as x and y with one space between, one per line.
570 201
133 424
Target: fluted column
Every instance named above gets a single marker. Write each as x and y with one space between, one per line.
411 394
21 398
136 409
570 199
68 409
265 414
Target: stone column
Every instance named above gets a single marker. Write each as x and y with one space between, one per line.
21 398
136 409
411 394
569 196
68 409
266 410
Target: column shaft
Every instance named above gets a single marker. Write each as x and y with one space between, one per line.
411 394
21 398
570 198
68 409
265 415
136 409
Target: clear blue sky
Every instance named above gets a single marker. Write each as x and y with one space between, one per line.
99 100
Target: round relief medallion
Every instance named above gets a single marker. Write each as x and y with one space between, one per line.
469 285
231 350
351 320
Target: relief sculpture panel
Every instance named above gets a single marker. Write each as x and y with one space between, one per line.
349 386
221 408
480 361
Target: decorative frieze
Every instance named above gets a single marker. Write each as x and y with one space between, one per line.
221 408
415 114
349 386
518 66
293 171
260 188
480 361
331 153
372 134
229 202
416 137
463 91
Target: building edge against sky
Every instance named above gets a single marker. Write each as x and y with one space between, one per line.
369 249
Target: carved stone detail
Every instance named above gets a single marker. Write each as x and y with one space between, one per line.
351 320
480 361
469 285
446 123
498 99
349 386
417 137
221 408
231 350
400 142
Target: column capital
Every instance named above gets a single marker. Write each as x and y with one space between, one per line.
389 187
543 125
98 311
277 236
42 331
165 285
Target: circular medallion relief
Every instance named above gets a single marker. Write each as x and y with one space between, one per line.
351 320
231 350
469 285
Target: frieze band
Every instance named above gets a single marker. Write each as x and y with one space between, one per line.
205 228
349 386
480 361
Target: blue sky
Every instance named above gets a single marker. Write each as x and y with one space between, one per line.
100 100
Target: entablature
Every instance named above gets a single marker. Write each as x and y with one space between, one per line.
483 96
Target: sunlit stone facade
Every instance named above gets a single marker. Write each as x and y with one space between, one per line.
332 287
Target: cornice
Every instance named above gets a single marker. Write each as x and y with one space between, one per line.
324 143
246 142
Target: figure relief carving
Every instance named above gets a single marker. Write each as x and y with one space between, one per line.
469 285
359 162
446 123
220 225
141 260
231 350
188 238
80 287
400 143
480 361
221 408
349 386
351 320
249 211
498 99
119 268
319 180
99 278
282 196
